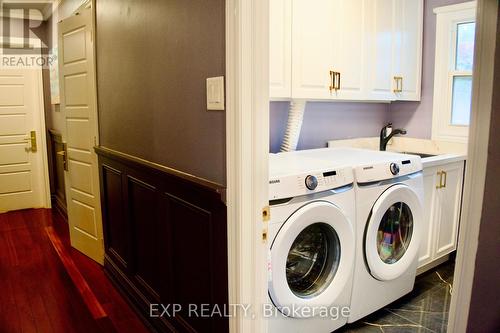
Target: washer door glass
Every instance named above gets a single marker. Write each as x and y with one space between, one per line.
313 260
312 257
394 233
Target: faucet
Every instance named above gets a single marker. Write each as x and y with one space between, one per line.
384 138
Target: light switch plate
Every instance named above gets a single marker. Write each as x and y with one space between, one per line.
215 93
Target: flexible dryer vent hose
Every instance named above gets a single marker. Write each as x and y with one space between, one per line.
292 133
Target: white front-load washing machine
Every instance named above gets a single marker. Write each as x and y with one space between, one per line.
389 200
311 244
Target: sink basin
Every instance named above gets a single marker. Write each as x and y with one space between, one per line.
422 155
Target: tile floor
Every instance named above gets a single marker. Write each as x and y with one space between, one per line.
424 310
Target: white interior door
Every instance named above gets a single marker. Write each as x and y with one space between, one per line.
23 169
78 102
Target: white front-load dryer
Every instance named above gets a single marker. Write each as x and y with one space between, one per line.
389 200
311 245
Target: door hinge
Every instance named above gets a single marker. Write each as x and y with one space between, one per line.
266 213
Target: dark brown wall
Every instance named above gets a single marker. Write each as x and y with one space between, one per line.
153 57
484 314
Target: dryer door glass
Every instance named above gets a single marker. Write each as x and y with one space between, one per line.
394 233
313 260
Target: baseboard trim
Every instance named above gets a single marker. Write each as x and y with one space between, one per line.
433 264
60 206
88 296
134 297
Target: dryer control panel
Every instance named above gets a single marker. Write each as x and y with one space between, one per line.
288 186
406 165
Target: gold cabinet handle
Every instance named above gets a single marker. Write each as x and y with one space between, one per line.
440 174
332 75
337 87
444 178
399 84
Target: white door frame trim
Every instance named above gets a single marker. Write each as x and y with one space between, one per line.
477 156
42 139
247 137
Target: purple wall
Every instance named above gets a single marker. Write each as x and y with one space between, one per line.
416 117
325 121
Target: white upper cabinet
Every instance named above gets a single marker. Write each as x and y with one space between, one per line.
327 49
280 48
408 29
312 48
380 49
349 45
346 50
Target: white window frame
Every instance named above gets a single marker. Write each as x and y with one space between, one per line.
447 20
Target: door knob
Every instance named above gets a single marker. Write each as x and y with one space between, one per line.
64 154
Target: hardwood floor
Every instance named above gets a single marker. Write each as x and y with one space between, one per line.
36 291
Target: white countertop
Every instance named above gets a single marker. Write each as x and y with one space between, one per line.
446 152
442 159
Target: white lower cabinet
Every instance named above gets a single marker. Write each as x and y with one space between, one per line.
443 198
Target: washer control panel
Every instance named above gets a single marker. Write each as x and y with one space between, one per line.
386 170
288 186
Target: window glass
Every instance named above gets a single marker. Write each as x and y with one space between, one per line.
313 260
465 46
461 100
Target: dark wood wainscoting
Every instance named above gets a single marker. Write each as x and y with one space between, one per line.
56 170
165 239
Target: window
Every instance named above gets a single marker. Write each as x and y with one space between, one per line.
455 30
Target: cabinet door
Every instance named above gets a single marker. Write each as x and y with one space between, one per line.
449 198
427 247
379 43
408 27
312 48
280 48
349 48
